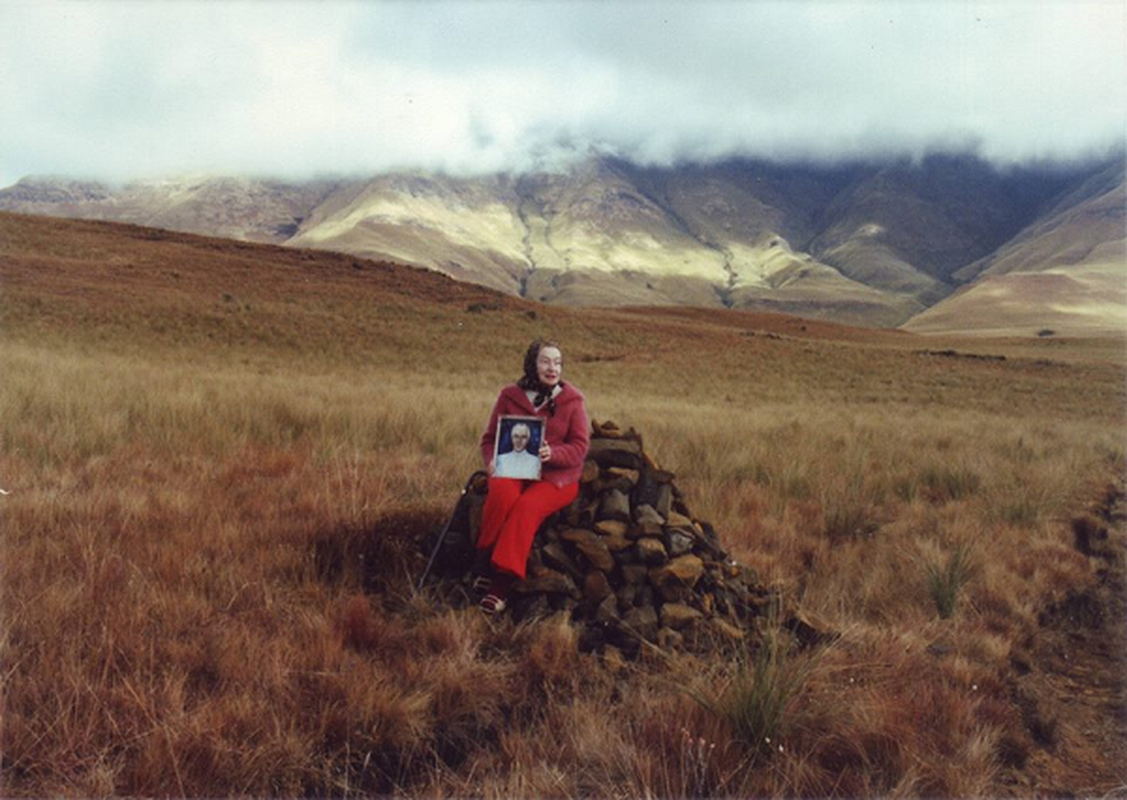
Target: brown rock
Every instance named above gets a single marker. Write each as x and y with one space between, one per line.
707 604
586 514
686 568
645 596
575 534
651 551
629 475
596 588
626 595
613 661
634 573
726 630
678 543
648 528
597 553
675 580
646 491
616 453
611 527
592 546
590 471
664 503
608 482
642 622
547 581
617 544
678 615
647 514
557 558
669 639
615 505
675 520
663 476
603 428
607 610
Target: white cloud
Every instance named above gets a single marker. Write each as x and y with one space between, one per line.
126 89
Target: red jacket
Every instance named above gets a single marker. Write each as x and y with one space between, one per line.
567 431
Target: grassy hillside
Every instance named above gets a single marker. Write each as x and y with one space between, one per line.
190 425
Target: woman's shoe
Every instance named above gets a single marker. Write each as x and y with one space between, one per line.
480 585
491 604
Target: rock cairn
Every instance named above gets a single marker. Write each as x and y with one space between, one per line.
627 559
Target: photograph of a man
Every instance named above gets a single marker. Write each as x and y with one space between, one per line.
518 441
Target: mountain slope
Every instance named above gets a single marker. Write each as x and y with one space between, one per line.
1066 272
467 229
590 236
232 207
909 228
1086 226
864 243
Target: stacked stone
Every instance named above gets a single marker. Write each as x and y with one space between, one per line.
629 561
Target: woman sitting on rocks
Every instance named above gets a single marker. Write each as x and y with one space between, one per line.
514 509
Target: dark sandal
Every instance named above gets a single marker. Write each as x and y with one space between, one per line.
480 585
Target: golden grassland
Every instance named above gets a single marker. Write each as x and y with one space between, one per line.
188 426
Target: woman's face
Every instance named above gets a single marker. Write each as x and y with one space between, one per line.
549 366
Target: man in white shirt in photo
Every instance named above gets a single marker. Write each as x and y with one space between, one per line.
518 462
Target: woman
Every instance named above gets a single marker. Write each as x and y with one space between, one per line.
514 509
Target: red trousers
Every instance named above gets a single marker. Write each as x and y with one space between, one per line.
514 510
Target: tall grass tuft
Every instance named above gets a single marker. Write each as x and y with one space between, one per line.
944 582
754 702
945 483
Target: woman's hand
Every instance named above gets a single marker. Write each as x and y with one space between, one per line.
545 452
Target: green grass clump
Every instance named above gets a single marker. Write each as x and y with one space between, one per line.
950 483
756 698
944 582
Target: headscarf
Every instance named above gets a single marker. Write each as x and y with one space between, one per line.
530 381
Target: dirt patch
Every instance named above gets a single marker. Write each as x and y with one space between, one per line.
1068 678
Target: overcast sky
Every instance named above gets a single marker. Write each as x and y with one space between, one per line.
131 89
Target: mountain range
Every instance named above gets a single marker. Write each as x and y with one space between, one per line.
948 243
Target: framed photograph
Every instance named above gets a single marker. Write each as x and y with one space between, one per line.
516 452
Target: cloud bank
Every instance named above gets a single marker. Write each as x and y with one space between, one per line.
123 90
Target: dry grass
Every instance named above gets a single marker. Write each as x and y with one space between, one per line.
208 545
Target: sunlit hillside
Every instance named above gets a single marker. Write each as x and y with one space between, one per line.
190 424
874 244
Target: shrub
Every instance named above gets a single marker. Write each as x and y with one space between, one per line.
848 517
945 582
1021 512
949 483
756 698
906 487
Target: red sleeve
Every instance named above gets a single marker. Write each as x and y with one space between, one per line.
573 449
